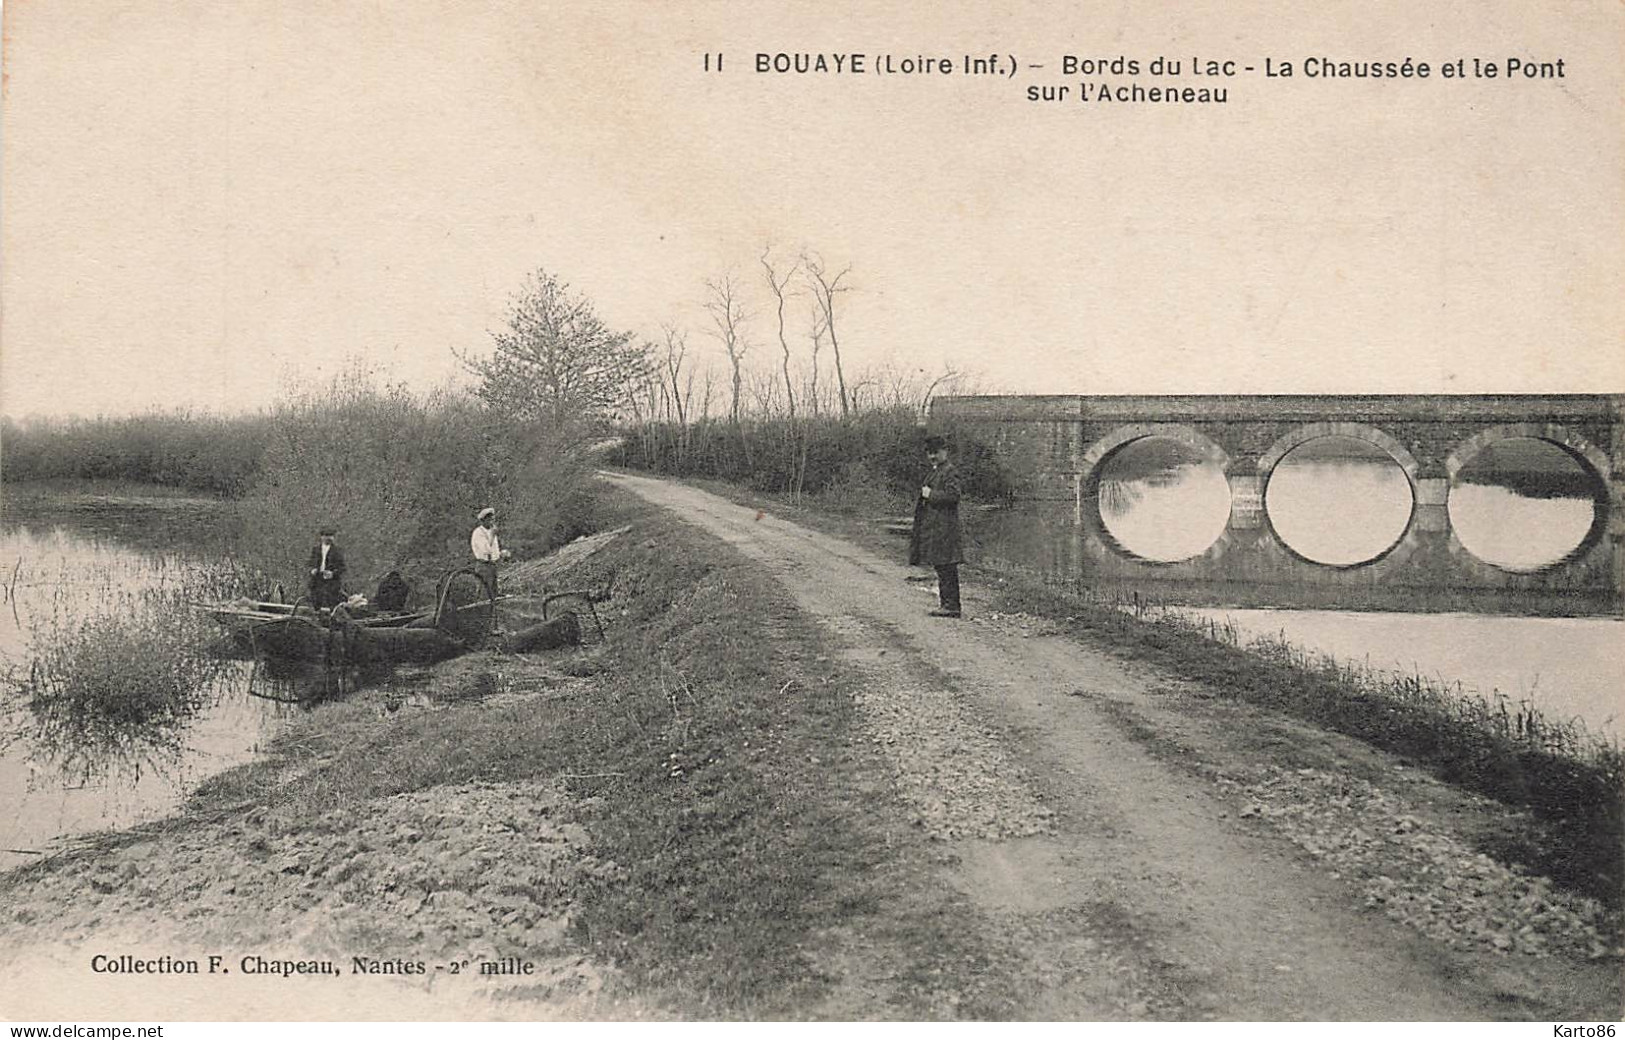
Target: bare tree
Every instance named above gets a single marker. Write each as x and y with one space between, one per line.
728 315
675 350
857 391
894 385
949 378
817 335
556 362
676 385
897 386
762 389
645 430
777 285
825 288
710 387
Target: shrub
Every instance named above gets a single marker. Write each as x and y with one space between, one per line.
860 491
401 477
811 455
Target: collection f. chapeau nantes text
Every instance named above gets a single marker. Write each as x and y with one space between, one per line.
285 967
1206 79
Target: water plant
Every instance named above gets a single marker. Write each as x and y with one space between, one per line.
1413 704
115 662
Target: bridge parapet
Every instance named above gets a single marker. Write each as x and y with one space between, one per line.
1062 450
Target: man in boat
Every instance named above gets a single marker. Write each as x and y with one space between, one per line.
487 551
326 572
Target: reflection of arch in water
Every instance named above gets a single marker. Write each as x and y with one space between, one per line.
1593 465
1105 500
1588 455
1116 497
1382 445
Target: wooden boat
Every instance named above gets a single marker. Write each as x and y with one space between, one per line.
352 634
418 644
338 638
340 643
253 620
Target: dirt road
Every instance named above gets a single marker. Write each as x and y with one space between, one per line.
1131 889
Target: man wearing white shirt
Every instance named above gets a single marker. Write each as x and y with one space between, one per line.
487 551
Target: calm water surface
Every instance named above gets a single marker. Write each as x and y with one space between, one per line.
1160 499
1520 505
1338 501
70 564
1566 667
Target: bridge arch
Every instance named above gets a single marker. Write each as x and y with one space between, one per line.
1404 543
1588 454
1114 439
1591 459
1093 463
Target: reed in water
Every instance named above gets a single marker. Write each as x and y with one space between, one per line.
111 673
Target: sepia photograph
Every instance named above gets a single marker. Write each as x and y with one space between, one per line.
836 512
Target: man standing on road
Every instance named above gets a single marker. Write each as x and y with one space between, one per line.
936 526
326 572
487 551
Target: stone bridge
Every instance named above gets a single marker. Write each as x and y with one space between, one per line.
1060 450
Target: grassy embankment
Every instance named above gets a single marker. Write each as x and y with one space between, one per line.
1571 780
758 830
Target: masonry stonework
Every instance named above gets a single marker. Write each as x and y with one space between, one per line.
1054 445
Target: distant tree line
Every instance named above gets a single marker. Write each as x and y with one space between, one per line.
869 462
798 418
206 453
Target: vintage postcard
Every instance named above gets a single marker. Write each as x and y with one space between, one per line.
824 511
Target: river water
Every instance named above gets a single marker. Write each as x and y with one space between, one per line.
1520 505
68 563
1567 668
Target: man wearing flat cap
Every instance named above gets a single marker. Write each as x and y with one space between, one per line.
487 551
936 526
326 571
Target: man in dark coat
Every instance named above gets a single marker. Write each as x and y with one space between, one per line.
326 572
936 526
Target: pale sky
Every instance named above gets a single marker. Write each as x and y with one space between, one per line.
203 198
